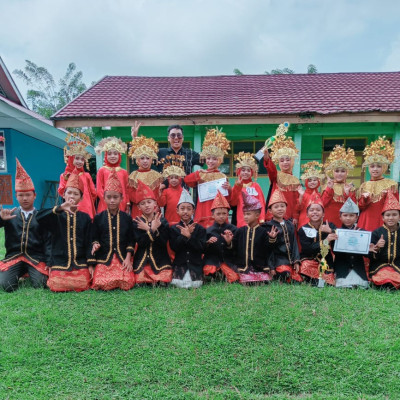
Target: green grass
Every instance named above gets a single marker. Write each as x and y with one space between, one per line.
219 342
2 249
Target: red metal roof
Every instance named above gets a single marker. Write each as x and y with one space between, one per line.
134 96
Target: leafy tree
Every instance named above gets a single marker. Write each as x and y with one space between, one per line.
44 95
237 71
312 69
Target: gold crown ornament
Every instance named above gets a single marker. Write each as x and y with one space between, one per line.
143 146
312 169
280 145
246 160
173 165
215 144
340 158
111 143
380 151
76 146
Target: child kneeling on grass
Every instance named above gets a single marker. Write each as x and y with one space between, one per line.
112 242
384 269
251 244
349 267
187 240
217 255
284 257
151 264
70 248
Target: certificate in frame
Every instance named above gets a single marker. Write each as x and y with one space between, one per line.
352 241
208 190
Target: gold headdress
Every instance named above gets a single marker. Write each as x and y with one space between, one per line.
143 146
246 160
111 143
281 145
340 158
312 169
76 146
173 165
215 144
380 151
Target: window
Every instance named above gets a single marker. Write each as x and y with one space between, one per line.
3 160
356 175
228 166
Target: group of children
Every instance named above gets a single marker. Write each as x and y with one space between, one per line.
148 230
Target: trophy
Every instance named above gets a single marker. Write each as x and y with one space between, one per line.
281 131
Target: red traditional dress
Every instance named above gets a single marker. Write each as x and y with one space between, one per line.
169 200
252 189
308 194
203 209
372 206
333 200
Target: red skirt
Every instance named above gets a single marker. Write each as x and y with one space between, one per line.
148 276
293 274
229 273
41 267
254 277
77 280
310 268
113 276
386 275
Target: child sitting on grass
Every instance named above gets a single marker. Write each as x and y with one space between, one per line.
187 240
384 270
112 242
27 244
251 244
70 232
217 256
284 257
151 263
349 268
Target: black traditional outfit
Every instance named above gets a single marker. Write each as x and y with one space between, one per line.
114 234
188 264
218 256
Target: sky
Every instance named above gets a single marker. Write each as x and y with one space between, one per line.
199 37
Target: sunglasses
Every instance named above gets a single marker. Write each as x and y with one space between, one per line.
176 135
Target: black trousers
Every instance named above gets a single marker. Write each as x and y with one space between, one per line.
9 279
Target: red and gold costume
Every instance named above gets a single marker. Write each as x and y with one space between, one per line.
111 143
142 146
27 244
311 169
215 145
114 234
70 246
380 151
384 268
252 188
170 196
334 198
283 146
77 144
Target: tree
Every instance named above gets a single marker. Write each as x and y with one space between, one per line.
237 71
311 69
279 71
45 96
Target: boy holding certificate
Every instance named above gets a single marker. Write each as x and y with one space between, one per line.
384 269
349 267
285 257
215 146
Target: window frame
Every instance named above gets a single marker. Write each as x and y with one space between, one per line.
3 146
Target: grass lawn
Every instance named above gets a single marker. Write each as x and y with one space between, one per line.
219 342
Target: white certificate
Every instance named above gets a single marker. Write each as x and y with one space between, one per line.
350 241
208 190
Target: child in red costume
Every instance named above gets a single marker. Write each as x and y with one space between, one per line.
112 148
75 156
337 190
283 153
378 156
312 179
246 168
169 197
144 150
215 146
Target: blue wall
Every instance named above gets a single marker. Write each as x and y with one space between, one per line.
40 160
